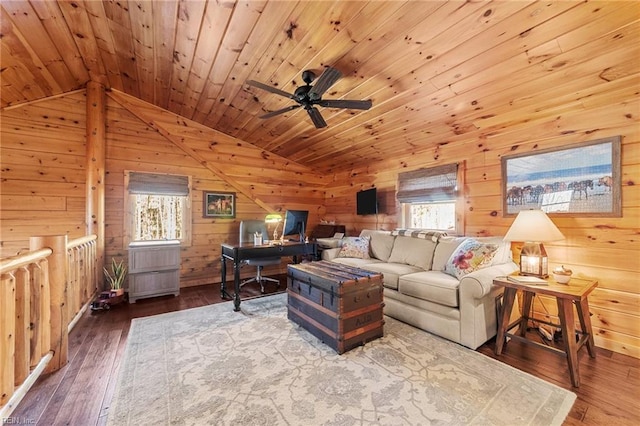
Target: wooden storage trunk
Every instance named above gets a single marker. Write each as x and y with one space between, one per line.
340 305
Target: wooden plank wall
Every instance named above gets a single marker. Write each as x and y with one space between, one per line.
43 175
605 248
43 171
274 182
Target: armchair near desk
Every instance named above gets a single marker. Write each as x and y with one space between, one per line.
326 230
248 228
323 235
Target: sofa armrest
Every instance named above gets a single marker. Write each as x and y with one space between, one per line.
479 283
478 316
332 253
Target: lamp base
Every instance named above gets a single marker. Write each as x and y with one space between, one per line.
534 261
528 274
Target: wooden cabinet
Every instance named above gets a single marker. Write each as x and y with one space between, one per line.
154 269
326 231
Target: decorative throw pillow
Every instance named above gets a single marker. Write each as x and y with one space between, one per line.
446 246
357 247
470 256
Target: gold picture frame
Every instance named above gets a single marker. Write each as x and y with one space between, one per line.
220 205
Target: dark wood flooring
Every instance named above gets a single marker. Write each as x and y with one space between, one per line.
81 392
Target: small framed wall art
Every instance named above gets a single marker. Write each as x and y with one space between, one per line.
221 205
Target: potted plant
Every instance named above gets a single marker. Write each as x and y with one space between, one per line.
116 276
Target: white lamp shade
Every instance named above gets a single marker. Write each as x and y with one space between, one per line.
533 226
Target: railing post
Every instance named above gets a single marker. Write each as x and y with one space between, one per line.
40 311
7 334
23 325
58 293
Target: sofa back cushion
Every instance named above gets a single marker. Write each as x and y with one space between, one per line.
444 249
381 246
413 251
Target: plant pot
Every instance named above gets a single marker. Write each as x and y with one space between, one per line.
117 291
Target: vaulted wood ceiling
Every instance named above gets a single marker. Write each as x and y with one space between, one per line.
437 72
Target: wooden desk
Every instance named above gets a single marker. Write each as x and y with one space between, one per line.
243 251
566 295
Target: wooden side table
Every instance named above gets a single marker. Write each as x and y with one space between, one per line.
566 295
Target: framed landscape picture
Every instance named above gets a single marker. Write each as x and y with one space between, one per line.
219 204
577 180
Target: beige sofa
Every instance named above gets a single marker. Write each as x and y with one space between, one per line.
427 282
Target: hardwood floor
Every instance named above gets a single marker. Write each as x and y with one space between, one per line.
81 392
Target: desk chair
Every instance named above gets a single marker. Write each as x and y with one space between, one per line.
247 230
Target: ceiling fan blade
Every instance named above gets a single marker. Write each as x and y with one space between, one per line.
270 89
316 118
344 103
326 80
279 111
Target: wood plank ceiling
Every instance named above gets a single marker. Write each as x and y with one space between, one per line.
436 71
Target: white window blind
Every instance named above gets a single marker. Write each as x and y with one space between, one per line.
435 184
158 184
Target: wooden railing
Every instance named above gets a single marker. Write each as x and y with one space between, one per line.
83 276
40 291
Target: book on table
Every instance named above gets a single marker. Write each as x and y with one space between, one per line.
527 279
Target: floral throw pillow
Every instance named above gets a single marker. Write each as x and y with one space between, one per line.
470 256
357 247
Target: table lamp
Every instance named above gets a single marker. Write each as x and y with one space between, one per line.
533 227
274 218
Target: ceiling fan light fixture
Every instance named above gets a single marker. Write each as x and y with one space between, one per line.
309 96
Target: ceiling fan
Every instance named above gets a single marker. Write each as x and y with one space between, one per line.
309 96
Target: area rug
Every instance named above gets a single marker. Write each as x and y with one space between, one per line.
213 366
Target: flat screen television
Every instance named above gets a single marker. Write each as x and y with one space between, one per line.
295 224
367 202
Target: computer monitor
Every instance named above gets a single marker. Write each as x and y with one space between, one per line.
295 223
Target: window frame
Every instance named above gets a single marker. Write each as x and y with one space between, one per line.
458 198
406 214
129 210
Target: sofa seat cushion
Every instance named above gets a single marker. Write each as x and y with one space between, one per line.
423 305
434 286
356 262
391 272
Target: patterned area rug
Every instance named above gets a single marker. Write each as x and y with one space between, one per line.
211 365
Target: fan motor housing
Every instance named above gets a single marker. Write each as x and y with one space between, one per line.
302 93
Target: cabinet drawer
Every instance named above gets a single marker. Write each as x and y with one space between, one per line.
154 284
154 259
